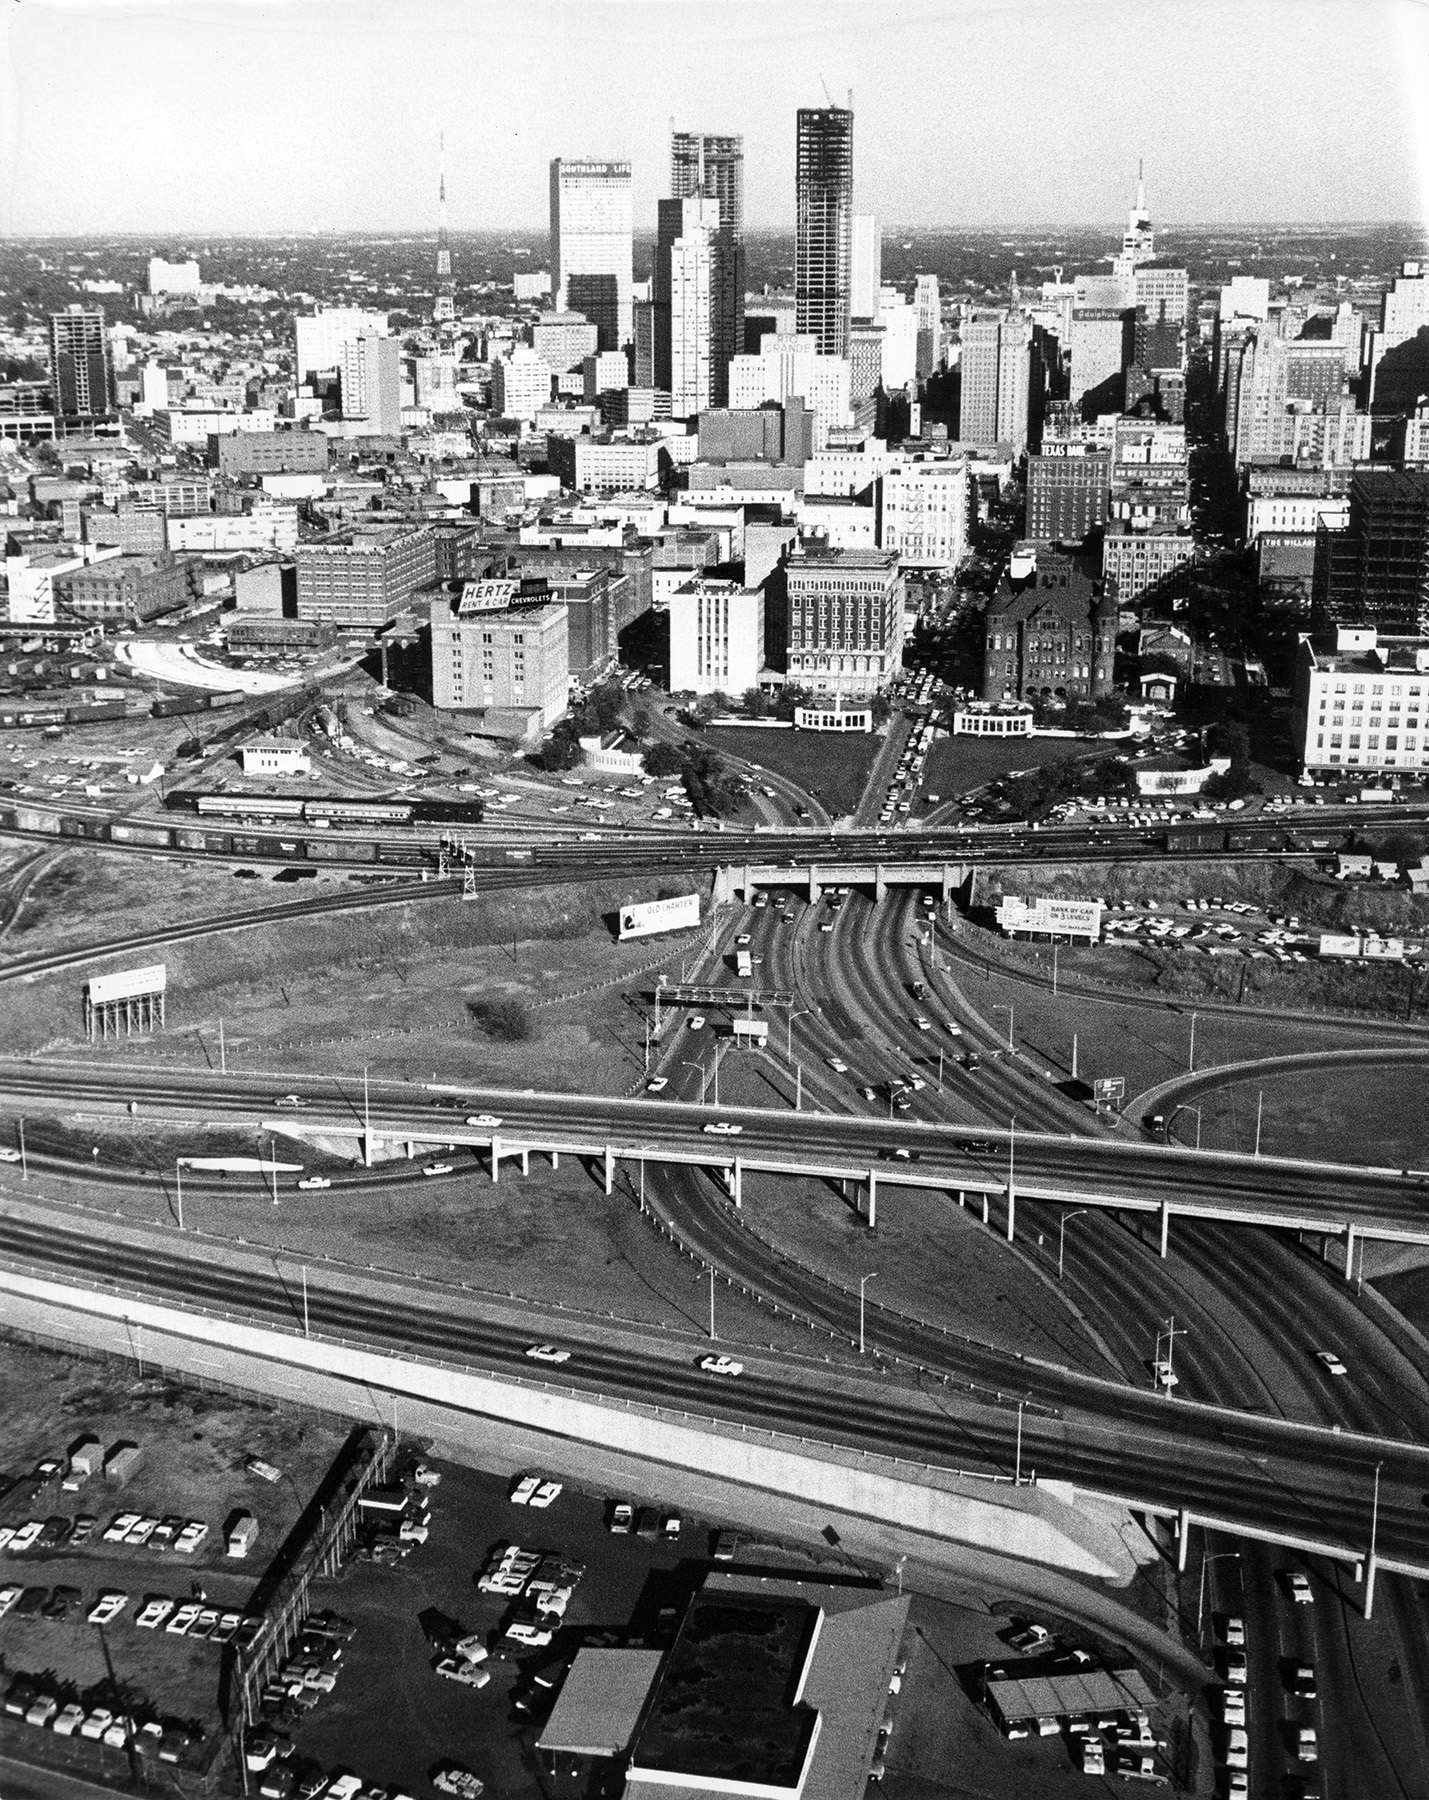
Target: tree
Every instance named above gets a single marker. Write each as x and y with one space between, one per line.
663 759
755 703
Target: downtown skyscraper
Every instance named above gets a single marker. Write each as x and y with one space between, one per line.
823 245
81 368
685 289
710 165
591 245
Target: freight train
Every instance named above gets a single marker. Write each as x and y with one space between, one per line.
293 845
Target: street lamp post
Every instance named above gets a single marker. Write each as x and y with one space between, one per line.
863 1283
1373 1565
1010 1017
179 1187
1191 1058
1017 1470
1220 1556
802 1012
712 1329
699 1067
1011 1177
1062 1235
1259 1109
1185 1106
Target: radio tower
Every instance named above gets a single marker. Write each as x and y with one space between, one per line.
445 309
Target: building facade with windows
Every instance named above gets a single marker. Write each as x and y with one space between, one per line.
923 507
1360 702
716 637
592 245
1136 561
362 578
1050 631
823 239
845 619
1068 484
494 648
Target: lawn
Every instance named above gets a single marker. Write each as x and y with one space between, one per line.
829 765
956 765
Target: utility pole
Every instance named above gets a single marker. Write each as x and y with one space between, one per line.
179 1187
863 1283
1373 1566
1191 1059
1259 1108
306 1332
273 1165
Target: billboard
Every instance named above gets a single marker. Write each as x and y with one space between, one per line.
128 984
645 918
1335 943
1061 918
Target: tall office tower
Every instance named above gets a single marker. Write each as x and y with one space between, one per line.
823 244
996 369
710 165
321 336
444 312
372 383
1102 349
1138 242
930 324
1278 381
1376 571
1399 356
81 368
867 266
684 291
591 254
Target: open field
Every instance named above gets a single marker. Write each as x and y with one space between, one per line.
830 766
1372 1116
958 764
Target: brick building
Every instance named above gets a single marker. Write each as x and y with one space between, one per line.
1050 631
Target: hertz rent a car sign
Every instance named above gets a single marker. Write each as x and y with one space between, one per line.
1062 918
644 919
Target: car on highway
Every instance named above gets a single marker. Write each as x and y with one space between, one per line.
312 1184
743 941
290 1101
952 1027
1331 1362
1307 1745
658 1085
1301 1681
697 1023
721 1365
722 1128
1237 1749
1235 1631
8 1155
837 1064
548 1353
1165 1376
1238 1786
1300 1590
487 1121
1237 1669
437 1168
1233 1706
923 1023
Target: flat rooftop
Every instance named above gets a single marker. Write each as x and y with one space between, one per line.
600 1702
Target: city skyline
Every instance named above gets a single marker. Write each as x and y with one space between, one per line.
99 136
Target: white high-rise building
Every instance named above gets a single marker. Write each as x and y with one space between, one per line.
930 324
321 336
155 391
789 366
867 261
372 383
899 319
686 283
923 511
591 245
996 371
716 637
172 278
520 384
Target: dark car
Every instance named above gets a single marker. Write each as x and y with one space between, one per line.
647 1523
29 1603
62 1602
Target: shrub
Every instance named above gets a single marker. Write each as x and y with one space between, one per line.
502 1018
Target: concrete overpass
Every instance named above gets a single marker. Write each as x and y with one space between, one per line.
744 880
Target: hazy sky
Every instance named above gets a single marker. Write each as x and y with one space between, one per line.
193 116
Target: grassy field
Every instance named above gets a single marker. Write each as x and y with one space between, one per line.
1369 1116
958 764
833 768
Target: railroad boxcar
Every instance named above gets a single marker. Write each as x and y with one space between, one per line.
338 850
410 855
186 837
26 818
94 713
84 828
158 836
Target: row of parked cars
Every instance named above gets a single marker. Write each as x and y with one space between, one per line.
307 1674
187 1618
171 1532
539 1585
41 1704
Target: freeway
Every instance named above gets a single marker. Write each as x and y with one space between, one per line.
1232 1467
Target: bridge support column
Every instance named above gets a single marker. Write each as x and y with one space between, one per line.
367 1142
555 1159
1011 1212
962 1197
947 893
525 1162
1371 1570
1165 1225
1350 1254
880 885
984 1207
872 1217
747 885
814 889
609 1169
409 1149
495 1160
736 1182
1183 1533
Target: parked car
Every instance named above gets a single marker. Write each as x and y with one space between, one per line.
523 1490
453 1668
108 1607
546 1493
622 1517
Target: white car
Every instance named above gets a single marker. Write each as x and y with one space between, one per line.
922 1023
548 1353
535 1637
1332 1363
413 1531
118 1528
28 1534
697 1023
192 1535
452 1668
154 1613
721 1365
471 1649
97 1723
108 1607
184 1620
1236 1667
658 1085
1235 1631
837 1064
488 1121
8 1597
69 1721
952 1028
8 1155
523 1490
1233 1706
1308 1748
1300 1590
722 1129
1237 1749
311 1183
1238 1786
437 1168
546 1493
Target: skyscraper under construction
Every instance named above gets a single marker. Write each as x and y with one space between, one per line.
823 245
